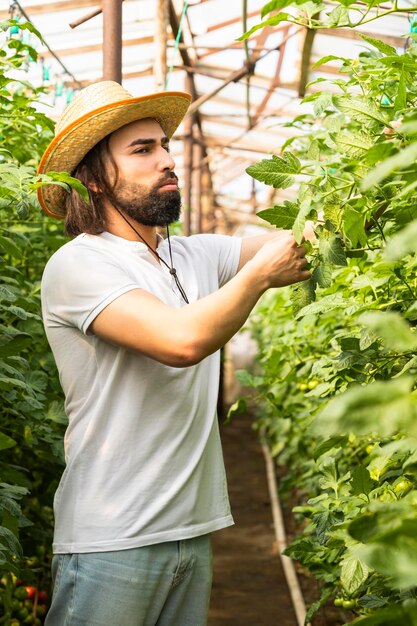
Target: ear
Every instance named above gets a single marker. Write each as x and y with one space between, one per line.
94 187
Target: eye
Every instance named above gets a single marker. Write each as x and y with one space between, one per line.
166 147
141 151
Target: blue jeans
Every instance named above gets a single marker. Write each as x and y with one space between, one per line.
167 584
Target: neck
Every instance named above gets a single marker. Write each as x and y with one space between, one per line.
117 225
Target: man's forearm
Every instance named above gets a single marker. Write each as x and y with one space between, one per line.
212 321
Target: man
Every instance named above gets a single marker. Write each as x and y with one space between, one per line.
135 323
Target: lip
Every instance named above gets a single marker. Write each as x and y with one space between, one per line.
169 184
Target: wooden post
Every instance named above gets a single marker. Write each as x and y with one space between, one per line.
253 196
188 162
112 40
197 185
207 200
160 67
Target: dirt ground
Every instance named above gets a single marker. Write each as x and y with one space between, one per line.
249 587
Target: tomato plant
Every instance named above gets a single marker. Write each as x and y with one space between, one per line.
336 377
32 415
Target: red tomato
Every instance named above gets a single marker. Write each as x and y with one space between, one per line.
31 591
43 597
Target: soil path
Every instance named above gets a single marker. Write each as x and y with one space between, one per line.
249 587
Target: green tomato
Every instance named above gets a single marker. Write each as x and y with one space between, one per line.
370 447
21 593
23 613
312 384
348 604
402 486
338 601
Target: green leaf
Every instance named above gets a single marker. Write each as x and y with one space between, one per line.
331 250
248 380
8 539
16 345
315 606
395 559
322 275
56 413
281 215
12 383
390 616
6 442
401 98
386 406
277 171
64 180
339 16
327 303
372 601
361 481
391 328
326 59
379 45
237 408
353 144
332 442
271 21
360 109
403 243
305 197
310 8
354 226
302 294
10 247
354 573
275 5
400 160
6 294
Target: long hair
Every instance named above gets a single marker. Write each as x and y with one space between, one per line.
88 217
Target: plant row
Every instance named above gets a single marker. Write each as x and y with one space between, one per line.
335 382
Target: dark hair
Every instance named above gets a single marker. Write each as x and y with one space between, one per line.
88 217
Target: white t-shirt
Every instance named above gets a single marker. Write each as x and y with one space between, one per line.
143 455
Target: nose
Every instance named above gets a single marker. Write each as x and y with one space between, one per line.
166 161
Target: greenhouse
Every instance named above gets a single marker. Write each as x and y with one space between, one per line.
208 369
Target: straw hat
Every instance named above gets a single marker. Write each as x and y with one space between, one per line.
97 111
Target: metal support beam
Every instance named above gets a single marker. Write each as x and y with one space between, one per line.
112 40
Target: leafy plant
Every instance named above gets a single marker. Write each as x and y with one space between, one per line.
336 388
32 415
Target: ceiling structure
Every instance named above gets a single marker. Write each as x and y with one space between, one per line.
242 96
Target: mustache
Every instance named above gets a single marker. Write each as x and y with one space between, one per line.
168 176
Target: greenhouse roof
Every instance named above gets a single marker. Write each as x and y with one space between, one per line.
242 96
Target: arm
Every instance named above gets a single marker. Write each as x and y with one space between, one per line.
182 337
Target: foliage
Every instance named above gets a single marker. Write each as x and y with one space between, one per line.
314 14
32 416
336 390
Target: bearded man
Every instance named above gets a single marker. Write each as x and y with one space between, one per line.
135 323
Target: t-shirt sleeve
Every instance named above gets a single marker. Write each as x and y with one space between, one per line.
78 283
224 252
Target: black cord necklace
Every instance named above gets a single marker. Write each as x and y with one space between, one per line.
171 267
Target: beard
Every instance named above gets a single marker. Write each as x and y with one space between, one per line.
149 207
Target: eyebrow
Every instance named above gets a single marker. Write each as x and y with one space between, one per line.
147 142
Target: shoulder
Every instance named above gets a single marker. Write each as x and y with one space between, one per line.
206 241
74 256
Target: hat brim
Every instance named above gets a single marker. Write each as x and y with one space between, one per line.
70 146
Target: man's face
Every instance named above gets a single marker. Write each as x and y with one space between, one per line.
146 189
